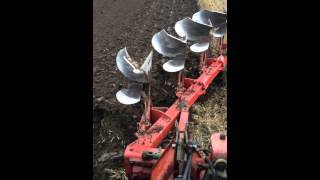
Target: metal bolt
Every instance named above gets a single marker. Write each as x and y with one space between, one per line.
222 136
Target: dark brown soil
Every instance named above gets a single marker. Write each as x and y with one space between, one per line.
131 24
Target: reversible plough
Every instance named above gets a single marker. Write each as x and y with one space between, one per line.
147 157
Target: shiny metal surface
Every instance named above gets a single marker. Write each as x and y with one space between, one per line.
199 47
192 30
168 45
220 31
174 65
129 70
147 64
131 95
210 18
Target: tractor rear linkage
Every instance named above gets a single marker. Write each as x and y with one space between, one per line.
144 159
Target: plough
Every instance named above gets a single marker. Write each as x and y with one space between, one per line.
148 157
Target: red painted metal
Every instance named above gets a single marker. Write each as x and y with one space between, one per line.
163 120
183 121
224 46
135 165
196 160
218 146
157 112
164 167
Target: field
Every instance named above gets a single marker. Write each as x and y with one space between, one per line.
131 24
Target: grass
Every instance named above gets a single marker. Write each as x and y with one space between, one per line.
116 174
209 114
217 5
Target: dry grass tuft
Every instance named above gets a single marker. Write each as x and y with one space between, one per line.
216 5
210 115
117 174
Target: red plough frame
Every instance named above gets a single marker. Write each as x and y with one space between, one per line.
162 166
